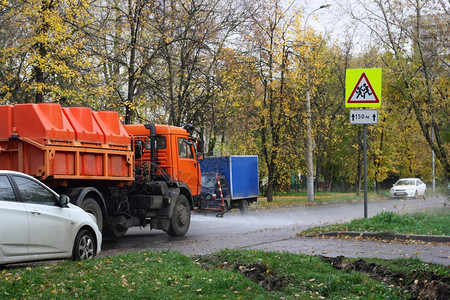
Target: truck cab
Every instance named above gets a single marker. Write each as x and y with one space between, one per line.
174 155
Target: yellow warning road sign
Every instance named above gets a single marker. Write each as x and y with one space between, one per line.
363 88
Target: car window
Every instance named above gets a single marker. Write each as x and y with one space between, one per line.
33 192
161 142
6 191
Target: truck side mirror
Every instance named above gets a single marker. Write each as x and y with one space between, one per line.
199 147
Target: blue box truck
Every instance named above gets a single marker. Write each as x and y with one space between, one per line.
237 177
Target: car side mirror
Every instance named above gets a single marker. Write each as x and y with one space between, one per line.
63 200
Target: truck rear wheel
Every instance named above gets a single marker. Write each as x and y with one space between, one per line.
181 217
91 206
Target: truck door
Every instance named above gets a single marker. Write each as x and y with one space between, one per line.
188 166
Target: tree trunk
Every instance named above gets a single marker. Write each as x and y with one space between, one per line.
269 193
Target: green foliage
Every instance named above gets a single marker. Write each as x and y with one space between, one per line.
43 57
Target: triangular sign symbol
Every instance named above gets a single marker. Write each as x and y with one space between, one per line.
363 92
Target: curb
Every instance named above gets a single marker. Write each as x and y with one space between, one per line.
386 236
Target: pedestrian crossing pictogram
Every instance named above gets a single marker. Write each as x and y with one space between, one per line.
363 88
363 92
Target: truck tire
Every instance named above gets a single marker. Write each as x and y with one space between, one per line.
181 217
84 246
243 207
91 206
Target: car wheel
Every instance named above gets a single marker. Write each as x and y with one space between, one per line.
415 195
84 246
424 195
181 217
91 206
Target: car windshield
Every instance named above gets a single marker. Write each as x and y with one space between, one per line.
405 182
209 181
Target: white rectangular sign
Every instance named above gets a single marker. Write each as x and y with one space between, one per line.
363 116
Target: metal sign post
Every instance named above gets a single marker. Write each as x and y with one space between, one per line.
364 117
365 169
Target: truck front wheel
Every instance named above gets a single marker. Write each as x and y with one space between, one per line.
91 206
181 217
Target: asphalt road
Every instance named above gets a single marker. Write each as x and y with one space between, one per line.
275 230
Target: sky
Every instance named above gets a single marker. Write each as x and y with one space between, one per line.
335 21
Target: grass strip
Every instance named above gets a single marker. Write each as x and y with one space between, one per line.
229 274
432 222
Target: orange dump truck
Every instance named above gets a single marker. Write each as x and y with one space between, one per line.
125 175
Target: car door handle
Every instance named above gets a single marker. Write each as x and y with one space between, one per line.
36 213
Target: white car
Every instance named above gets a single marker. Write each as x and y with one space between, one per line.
409 187
38 224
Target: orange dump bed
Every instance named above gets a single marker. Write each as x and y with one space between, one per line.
51 142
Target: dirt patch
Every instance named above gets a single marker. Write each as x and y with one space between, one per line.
422 284
263 276
256 272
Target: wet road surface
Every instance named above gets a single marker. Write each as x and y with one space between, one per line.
276 229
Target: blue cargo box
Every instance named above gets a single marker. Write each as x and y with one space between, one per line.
241 172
